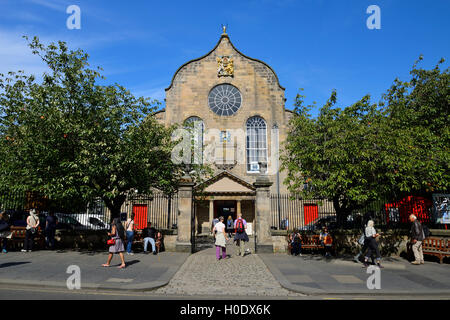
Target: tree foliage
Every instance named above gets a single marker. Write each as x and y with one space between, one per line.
72 140
365 152
417 117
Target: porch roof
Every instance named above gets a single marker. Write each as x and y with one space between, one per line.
226 183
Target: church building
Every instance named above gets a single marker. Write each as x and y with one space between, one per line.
239 105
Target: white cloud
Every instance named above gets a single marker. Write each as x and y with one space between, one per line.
15 55
156 93
58 5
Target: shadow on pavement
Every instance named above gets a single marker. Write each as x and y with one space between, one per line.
130 263
12 264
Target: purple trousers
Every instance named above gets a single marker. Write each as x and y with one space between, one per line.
224 252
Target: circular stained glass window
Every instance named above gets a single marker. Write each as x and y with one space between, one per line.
224 100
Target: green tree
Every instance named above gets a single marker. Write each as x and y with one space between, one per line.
333 155
73 140
417 132
365 152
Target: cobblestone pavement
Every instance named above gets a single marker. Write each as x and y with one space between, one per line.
202 274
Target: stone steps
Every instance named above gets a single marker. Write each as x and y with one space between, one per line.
206 241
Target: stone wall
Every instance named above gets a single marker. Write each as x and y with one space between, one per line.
96 240
391 243
79 240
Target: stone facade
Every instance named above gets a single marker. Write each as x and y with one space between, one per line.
262 95
236 191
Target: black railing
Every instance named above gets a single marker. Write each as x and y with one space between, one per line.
298 213
159 209
313 214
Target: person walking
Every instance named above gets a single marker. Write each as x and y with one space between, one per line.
362 240
296 243
5 232
372 244
129 226
117 235
240 226
417 236
230 226
221 239
31 230
149 235
50 230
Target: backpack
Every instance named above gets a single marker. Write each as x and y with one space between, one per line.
426 231
240 226
328 239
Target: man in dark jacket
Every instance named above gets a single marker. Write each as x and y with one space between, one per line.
50 230
4 230
149 235
417 236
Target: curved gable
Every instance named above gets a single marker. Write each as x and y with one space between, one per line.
224 36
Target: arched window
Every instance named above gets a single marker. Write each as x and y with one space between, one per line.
196 127
256 143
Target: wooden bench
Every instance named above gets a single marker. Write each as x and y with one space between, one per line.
310 242
18 238
139 240
439 247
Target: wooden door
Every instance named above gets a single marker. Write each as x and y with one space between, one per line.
140 216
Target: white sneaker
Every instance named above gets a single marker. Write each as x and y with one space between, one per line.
23 250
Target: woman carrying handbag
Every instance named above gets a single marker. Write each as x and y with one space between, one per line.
117 235
31 230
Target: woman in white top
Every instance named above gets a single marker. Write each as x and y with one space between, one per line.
31 230
372 244
221 238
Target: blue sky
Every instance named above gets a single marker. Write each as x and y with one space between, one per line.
317 45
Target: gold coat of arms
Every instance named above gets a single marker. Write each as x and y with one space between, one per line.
225 66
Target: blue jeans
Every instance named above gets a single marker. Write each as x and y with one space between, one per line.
130 236
152 241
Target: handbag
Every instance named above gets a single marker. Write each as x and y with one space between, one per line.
33 230
362 239
111 242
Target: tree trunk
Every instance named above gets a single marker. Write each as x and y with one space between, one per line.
114 205
342 211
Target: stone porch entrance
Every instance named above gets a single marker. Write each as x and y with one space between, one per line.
224 195
195 214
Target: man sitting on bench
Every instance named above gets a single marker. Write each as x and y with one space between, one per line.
149 235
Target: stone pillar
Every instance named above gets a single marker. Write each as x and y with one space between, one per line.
262 207
238 207
184 222
211 211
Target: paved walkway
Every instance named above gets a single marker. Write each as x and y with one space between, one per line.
49 269
236 276
201 275
313 274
